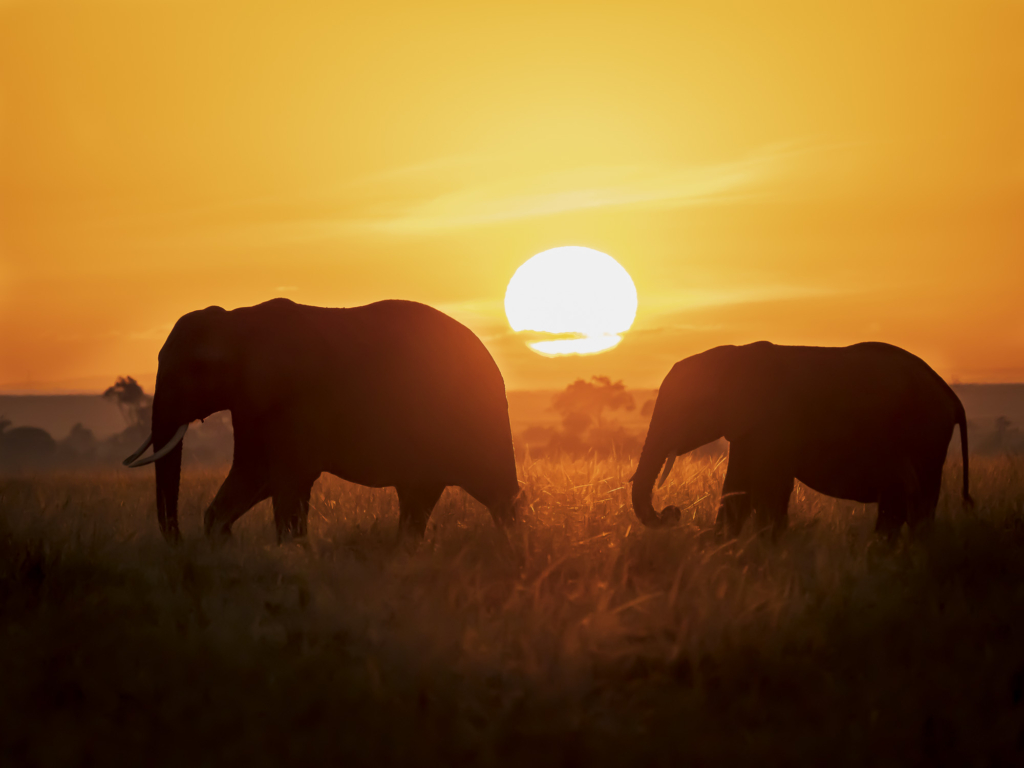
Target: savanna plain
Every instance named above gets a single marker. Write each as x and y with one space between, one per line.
584 639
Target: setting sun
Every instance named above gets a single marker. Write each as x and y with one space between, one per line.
511 382
582 297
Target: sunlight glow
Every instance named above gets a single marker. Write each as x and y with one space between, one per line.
580 294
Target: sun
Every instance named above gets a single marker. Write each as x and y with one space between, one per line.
582 297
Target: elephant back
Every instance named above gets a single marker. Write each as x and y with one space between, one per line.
399 387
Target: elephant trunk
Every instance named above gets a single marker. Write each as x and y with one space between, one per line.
168 472
168 476
651 460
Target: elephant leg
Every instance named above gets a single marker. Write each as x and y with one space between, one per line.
897 498
502 506
503 512
892 513
415 503
925 499
244 487
770 500
291 507
735 505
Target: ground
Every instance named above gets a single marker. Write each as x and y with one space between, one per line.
587 640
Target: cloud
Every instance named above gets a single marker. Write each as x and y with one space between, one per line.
156 333
682 302
466 191
485 317
517 197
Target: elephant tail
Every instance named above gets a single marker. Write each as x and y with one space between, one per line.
961 420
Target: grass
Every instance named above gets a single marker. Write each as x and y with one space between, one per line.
586 641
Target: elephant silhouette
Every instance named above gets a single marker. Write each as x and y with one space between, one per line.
869 422
388 394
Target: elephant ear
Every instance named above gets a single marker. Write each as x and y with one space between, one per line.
746 383
211 355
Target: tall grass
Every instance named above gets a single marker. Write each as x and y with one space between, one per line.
586 639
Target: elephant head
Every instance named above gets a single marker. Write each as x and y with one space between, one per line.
698 402
195 378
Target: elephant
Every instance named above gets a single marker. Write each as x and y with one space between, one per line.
394 393
870 422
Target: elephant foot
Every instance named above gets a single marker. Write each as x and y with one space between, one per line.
922 530
296 542
218 537
727 531
670 515
291 533
407 541
770 526
889 526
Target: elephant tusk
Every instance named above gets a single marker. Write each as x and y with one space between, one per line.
667 469
163 451
134 456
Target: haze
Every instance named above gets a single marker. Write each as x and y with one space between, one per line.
792 172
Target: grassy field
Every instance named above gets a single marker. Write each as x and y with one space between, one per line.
587 641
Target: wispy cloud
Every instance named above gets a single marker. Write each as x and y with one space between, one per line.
515 197
157 332
664 312
466 191
702 298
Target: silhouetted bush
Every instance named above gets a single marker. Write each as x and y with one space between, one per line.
585 429
79 448
25 448
1003 438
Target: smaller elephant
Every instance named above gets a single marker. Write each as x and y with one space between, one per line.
869 422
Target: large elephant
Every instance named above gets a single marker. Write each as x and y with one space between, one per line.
870 422
390 394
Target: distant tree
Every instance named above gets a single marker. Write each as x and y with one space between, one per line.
648 408
1008 438
135 405
582 404
1004 438
80 440
4 423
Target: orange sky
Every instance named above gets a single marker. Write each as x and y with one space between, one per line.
787 171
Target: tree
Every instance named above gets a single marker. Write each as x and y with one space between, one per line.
135 405
585 429
582 403
79 447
